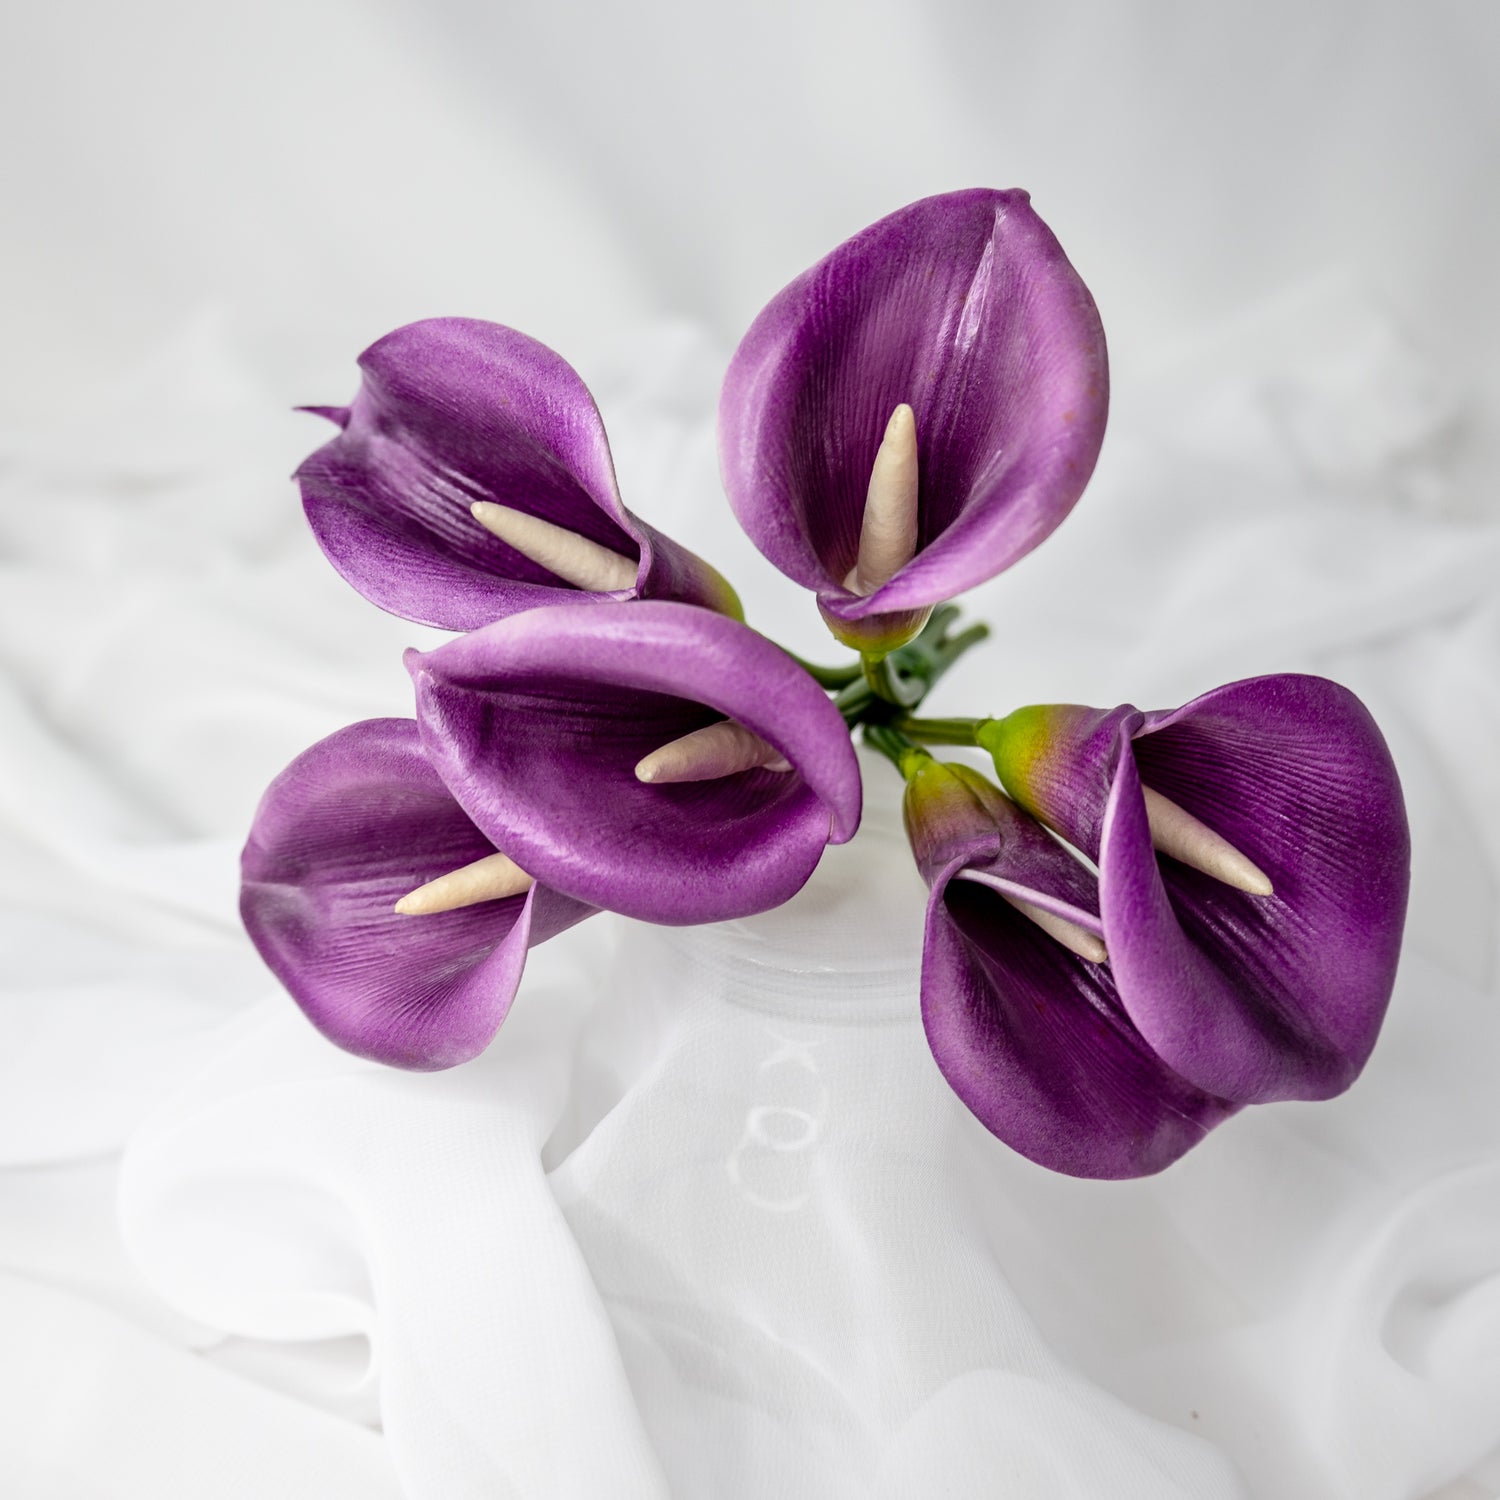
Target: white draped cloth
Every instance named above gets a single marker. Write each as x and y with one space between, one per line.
705 1221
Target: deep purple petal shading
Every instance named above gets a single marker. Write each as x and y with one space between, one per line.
964 306
536 724
1262 997
451 411
348 828
1031 1037
1252 997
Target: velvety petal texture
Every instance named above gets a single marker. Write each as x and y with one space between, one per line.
1032 1037
347 829
965 307
1252 997
453 411
536 724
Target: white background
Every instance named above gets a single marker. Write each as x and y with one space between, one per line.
234 1264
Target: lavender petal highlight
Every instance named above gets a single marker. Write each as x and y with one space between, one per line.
454 412
349 827
964 306
538 723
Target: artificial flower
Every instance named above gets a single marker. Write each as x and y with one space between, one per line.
348 829
546 725
1263 973
462 430
963 309
1028 1030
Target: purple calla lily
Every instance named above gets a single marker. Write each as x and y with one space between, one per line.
538 722
349 827
964 307
1031 1036
1251 996
454 411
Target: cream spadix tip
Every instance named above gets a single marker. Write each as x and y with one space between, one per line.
888 533
573 558
492 878
1176 832
1074 938
706 754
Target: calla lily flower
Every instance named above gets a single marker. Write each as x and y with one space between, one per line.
1264 972
454 413
351 826
1031 1034
963 308
544 726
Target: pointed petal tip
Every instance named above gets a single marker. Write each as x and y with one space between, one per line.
338 415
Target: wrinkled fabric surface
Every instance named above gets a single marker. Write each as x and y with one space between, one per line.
705 1220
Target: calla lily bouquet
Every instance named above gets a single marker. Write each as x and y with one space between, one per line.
1144 922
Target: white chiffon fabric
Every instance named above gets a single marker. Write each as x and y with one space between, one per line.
705 1221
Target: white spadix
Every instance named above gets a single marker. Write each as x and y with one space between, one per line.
573 558
706 754
489 879
1074 938
1176 832
888 533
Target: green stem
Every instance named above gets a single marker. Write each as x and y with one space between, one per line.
945 653
896 748
942 731
829 677
893 685
854 701
898 688
922 663
937 622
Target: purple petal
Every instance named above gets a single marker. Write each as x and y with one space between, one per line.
1031 1037
346 830
536 724
451 411
965 307
1261 997
1252 997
